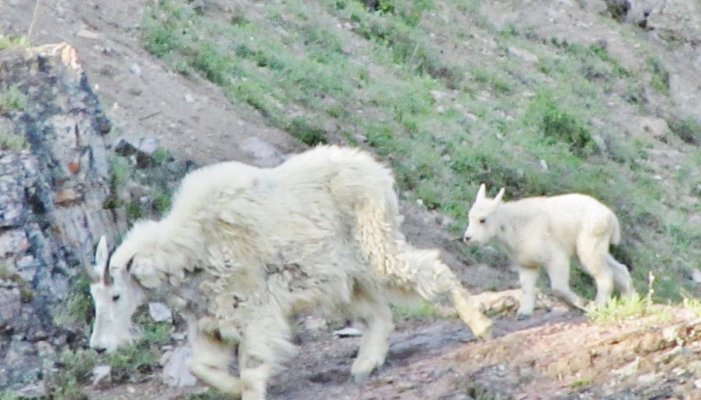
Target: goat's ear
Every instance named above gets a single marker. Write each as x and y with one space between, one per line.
101 252
500 195
482 193
101 260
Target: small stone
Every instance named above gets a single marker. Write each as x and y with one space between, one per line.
159 312
361 138
188 98
697 383
696 276
175 368
73 167
543 165
135 69
88 34
524 55
263 153
101 374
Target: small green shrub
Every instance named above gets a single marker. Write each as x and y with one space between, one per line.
78 307
12 41
306 132
559 125
12 142
688 130
660 76
72 371
161 202
12 99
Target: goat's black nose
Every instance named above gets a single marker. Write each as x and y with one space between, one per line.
465 239
100 350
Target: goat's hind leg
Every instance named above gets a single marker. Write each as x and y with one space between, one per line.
558 269
375 313
593 253
432 278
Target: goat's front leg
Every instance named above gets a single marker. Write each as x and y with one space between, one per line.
373 310
265 345
210 362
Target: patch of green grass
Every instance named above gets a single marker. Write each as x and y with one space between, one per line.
688 130
160 156
9 395
660 76
620 309
161 202
210 394
418 310
492 80
25 289
628 307
692 304
559 125
78 307
12 41
581 383
306 132
12 99
11 142
72 372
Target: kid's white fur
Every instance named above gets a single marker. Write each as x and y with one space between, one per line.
548 231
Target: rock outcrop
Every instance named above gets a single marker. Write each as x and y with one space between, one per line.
54 180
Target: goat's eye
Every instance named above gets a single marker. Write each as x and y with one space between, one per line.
115 297
483 220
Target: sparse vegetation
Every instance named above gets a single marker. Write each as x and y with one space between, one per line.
8 395
25 290
72 371
444 123
7 42
12 142
688 130
418 310
12 99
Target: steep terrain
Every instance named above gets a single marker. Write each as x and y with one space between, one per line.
450 94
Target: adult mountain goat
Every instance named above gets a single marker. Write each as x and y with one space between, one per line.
245 248
547 231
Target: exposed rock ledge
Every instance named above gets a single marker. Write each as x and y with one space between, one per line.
54 179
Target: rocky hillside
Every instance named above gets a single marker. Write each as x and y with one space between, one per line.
602 97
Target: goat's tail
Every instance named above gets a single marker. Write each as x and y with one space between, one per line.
615 229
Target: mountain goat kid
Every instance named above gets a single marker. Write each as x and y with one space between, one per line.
547 231
243 249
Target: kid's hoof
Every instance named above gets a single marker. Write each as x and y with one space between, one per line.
485 333
360 377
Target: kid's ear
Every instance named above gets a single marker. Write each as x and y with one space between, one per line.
500 195
482 192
